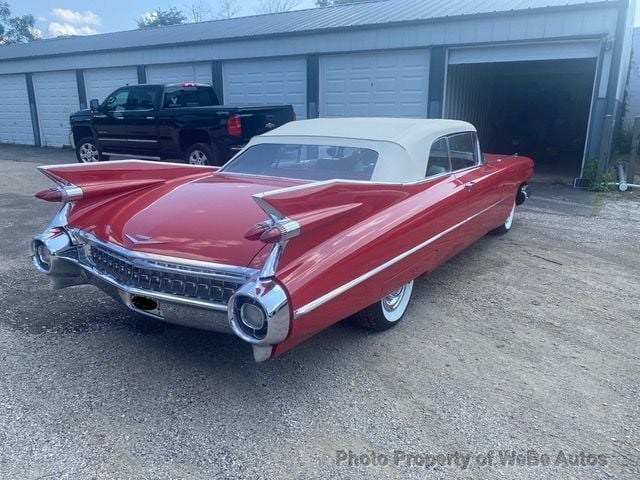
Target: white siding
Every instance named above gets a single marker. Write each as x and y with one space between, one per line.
100 82
179 72
15 113
56 98
389 84
519 26
272 81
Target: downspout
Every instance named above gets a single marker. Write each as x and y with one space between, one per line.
614 75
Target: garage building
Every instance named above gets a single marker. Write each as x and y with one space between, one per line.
537 77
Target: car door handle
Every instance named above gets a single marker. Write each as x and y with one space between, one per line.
469 185
151 118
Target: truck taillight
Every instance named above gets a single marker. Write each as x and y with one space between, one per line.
234 126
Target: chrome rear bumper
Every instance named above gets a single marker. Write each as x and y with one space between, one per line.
189 293
64 272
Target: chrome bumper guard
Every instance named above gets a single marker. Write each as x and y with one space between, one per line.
193 294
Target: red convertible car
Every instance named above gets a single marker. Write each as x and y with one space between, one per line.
310 223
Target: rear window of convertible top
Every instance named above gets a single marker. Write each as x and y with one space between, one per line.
305 162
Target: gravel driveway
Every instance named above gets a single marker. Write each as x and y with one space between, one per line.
527 343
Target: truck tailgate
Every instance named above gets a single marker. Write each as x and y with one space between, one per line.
259 119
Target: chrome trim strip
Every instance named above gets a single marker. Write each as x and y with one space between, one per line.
128 155
236 272
99 165
309 307
220 307
127 140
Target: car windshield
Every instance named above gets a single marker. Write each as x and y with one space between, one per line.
305 162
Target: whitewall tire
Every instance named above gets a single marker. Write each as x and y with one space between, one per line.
388 312
508 223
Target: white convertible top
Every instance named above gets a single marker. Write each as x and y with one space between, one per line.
403 144
403 131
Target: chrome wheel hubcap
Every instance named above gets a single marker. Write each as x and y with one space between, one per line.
198 157
88 153
391 302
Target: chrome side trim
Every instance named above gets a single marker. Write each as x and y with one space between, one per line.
309 307
127 140
99 165
128 155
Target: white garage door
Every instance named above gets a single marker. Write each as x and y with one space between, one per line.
179 72
15 114
389 84
101 82
277 81
56 98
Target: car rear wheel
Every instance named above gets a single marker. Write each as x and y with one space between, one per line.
506 226
87 151
201 154
388 312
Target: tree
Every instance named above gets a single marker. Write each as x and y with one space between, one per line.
277 6
227 8
330 3
199 11
16 29
159 18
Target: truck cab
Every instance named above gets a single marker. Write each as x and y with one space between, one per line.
174 121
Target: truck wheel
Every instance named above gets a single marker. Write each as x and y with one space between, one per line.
201 154
87 151
386 313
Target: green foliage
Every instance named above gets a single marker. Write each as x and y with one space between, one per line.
160 18
16 29
622 142
591 174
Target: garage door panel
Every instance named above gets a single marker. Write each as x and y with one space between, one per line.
15 112
375 83
56 97
101 82
273 81
179 72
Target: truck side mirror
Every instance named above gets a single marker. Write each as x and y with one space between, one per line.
94 104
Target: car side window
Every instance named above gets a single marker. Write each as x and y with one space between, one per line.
463 150
142 98
117 101
189 97
438 158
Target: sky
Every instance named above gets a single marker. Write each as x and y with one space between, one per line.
84 17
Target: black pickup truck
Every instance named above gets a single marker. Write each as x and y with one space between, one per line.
183 121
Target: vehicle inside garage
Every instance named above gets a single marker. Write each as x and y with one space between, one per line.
535 108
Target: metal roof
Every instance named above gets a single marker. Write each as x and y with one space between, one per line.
373 13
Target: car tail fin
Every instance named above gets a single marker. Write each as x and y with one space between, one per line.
82 181
321 208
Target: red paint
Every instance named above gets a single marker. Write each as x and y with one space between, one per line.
391 221
200 215
346 229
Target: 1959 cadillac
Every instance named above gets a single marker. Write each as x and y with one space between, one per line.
310 223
